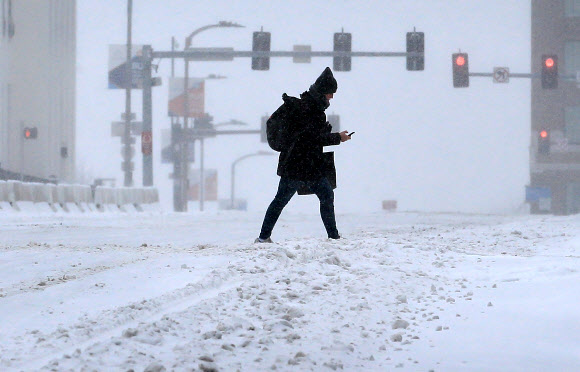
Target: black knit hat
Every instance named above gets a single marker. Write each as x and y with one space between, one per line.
326 83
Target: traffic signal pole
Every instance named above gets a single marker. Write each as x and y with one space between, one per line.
512 75
183 180
146 135
225 54
522 75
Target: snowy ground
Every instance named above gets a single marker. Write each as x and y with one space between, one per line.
191 292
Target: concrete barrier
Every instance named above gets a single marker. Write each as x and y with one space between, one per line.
11 191
151 195
41 193
3 192
106 198
69 194
27 191
83 194
69 197
4 204
53 189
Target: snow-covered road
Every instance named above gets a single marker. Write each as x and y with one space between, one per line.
182 292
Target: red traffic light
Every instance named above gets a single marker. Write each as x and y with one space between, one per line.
30 133
544 142
549 71
460 67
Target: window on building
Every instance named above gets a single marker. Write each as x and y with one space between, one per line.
572 124
572 8
572 57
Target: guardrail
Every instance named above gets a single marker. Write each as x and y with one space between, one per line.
16 195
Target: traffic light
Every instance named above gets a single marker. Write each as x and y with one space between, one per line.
460 63
261 43
416 44
30 133
342 43
544 142
204 122
549 71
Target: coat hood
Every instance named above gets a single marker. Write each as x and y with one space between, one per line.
326 83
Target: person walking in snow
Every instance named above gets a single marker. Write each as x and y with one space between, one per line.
303 165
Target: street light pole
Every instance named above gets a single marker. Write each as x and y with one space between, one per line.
184 151
233 173
184 181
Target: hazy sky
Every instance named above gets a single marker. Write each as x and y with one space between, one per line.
418 140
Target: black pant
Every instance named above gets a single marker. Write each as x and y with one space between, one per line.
286 189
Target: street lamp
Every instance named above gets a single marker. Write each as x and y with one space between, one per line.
233 175
219 24
185 164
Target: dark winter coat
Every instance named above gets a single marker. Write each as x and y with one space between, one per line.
304 159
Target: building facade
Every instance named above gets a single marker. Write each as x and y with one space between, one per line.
37 88
555 165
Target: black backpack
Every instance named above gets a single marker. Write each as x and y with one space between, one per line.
278 126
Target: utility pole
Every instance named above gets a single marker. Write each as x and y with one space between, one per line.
177 163
184 153
127 149
183 181
147 132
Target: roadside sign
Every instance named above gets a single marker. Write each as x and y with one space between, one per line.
146 142
195 96
118 128
118 78
132 116
211 184
501 75
535 193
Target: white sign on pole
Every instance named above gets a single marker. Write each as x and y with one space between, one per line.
118 128
302 49
195 95
501 75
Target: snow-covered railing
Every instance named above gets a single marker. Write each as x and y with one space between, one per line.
67 197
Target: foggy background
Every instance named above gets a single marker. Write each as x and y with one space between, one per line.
418 140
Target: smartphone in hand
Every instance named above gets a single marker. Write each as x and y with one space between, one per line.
351 133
